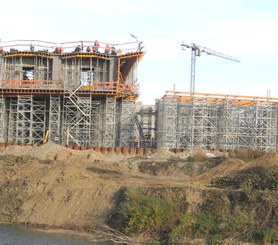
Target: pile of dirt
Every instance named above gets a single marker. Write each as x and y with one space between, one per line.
226 167
52 151
165 168
199 154
61 187
259 178
54 186
261 174
162 154
270 159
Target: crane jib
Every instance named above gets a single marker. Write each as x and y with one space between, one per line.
196 50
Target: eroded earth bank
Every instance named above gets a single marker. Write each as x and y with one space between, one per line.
194 197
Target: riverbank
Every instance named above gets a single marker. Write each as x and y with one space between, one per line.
52 187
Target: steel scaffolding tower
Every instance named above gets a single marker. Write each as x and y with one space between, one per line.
125 116
197 124
2 119
77 120
23 119
97 115
38 121
27 120
145 122
109 122
265 129
227 137
167 123
12 122
1 66
217 122
55 119
257 127
185 125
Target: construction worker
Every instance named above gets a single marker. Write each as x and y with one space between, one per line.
120 52
113 51
77 49
58 50
107 49
96 46
32 47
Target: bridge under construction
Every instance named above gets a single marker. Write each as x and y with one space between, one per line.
67 94
77 93
216 121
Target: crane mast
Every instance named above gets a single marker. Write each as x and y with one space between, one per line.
196 50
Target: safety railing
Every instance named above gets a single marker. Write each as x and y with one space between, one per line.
111 87
98 87
127 88
45 47
31 84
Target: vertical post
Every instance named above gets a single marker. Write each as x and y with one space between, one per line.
192 78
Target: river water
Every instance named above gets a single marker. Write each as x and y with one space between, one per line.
20 235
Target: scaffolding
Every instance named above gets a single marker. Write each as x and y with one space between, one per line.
145 122
76 97
167 123
125 123
2 119
197 123
88 98
214 121
55 119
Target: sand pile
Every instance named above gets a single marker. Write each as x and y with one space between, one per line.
225 168
52 151
16 150
163 154
269 159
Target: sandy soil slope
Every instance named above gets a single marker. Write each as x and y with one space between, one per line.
53 186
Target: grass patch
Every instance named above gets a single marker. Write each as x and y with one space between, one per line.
248 216
142 210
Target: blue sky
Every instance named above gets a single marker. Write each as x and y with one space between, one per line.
246 29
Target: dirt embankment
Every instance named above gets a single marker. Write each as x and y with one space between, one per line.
53 186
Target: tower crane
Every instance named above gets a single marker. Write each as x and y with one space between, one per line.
196 50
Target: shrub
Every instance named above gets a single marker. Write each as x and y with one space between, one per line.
144 211
265 235
191 159
248 191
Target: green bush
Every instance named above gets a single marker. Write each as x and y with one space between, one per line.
141 211
248 191
165 217
191 159
265 235
213 215
184 227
